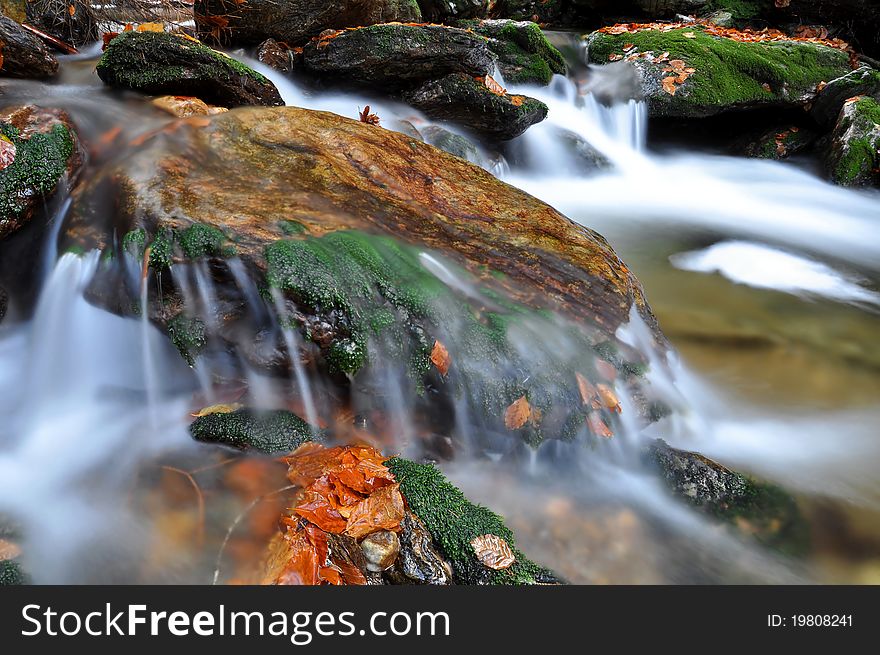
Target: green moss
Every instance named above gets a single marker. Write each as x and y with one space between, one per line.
728 73
188 336
197 240
11 574
270 432
40 161
858 131
454 522
201 240
739 9
292 228
524 54
135 243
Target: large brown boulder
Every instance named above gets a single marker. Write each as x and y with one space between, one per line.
22 54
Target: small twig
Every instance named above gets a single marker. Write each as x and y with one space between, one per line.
200 500
61 45
238 519
216 465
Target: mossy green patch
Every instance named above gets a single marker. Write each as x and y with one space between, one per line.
11 574
197 240
454 522
739 9
270 432
855 152
200 240
188 336
40 161
524 54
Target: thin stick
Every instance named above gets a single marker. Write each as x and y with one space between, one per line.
61 45
238 519
216 465
200 499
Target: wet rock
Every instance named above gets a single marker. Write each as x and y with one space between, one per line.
11 574
186 106
419 561
159 63
523 53
454 144
70 21
271 432
854 156
381 550
43 148
719 74
292 21
778 142
762 510
395 56
864 81
4 303
442 11
23 54
466 100
277 56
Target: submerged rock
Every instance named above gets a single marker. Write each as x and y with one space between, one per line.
395 56
69 21
704 75
39 148
854 157
185 106
229 22
523 53
864 81
270 432
468 101
762 510
159 63
23 54
454 144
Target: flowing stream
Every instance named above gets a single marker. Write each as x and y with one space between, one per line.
764 278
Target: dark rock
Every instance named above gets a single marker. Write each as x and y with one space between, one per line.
46 149
462 99
442 11
230 22
277 56
23 54
159 63
864 81
720 74
777 142
271 432
55 18
4 302
454 144
419 561
395 56
854 156
539 11
759 509
524 55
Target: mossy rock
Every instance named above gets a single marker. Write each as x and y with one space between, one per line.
864 81
758 509
779 142
854 157
524 55
729 75
396 56
159 63
293 21
23 54
45 150
11 574
454 522
271 432
454 144
467 101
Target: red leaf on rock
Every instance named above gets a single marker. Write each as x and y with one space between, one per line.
440 358
382 510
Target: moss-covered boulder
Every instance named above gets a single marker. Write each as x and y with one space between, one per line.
40 147
11 573
854 156
444 11
703 75
469 101
159 63
756 508
864 81
777 142
454 522
271 432
396 56
232 22
523 53
22 54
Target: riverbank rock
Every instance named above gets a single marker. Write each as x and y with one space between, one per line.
864 81
688 73
22 54
159 63
491 113
762 510
384 255
229 22
442 11
523 53
70 21
854 157
394 56
39 147
277 56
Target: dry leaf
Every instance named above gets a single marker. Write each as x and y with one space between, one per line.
8 550
493 551
7 152
516 101
598 427
366 117
689 35
493 86
218 409
608 397
440 358
669 85
382 510
589 394
517 414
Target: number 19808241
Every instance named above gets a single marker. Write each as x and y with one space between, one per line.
810 621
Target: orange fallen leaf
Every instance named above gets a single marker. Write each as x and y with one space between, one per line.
517 414
217 409
598 427
8 550
382 510
588 392
669 85
440 358
608 397
493 551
